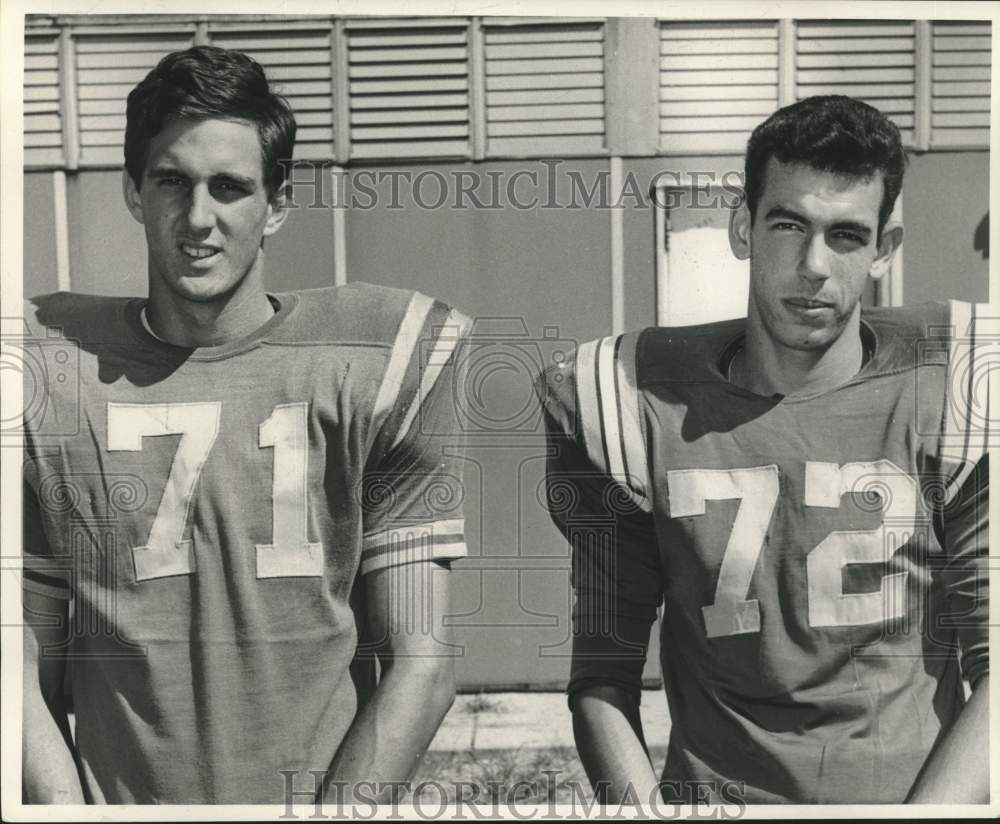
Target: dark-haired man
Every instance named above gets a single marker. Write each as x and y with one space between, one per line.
245 496
804 491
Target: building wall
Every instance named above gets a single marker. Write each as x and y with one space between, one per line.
519 272
39 234
946 203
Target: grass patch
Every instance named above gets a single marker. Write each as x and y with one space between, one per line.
481 702
523 775
485 776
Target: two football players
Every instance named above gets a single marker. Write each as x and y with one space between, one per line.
805 493
230 492
229 497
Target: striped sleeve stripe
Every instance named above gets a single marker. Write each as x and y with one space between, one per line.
402 349
447 341
587 406
436 541
633 441
608 399
967 411
608 403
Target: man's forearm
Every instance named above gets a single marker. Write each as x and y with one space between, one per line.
958 769
392 731
49 769
608 735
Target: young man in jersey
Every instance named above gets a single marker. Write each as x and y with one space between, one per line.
804 491
232 489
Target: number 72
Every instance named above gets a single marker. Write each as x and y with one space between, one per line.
757 488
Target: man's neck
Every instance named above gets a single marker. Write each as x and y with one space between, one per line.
191 324
769 368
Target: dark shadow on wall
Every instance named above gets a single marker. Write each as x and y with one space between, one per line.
981 237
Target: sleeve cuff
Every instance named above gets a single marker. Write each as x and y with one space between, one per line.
48 585
435 541
976 662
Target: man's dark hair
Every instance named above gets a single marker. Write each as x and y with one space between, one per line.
830 133
208 82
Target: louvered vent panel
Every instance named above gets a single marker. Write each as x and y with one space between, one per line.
718 80
545 88
960 90
43 144
409 91
108 67
871 60
298 65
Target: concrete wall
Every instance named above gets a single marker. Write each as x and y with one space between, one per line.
946 203
521 271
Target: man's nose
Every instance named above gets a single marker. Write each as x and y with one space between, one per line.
201 211
816 259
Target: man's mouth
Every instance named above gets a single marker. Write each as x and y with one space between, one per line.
808 303
199 251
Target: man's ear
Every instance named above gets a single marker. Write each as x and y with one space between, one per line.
133 200
739 231
889 242
278 208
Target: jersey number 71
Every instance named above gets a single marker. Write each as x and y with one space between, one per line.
165 553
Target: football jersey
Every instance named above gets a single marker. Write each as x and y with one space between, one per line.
212 512
820 561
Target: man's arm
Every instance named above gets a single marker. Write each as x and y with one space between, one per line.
413 526
416 686
958 770
49 768
600 505
609 739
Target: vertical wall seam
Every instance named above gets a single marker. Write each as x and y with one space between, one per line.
201 31
786 62
617 218
339 218
922 85
341 93
60 211
661 260
477 89
895 273
68 99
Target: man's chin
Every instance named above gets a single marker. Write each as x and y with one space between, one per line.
206 287
810 339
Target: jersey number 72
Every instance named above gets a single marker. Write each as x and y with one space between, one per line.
757 489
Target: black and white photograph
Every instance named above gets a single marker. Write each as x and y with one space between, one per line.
442 411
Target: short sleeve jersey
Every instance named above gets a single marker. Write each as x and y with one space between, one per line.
211 513
820 561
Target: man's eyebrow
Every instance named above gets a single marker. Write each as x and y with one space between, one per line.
791 214
783 211
854 226
165 171
231 177
226 177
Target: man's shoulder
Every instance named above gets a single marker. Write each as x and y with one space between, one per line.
908 321
75 317
650 354
370 313
930 334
